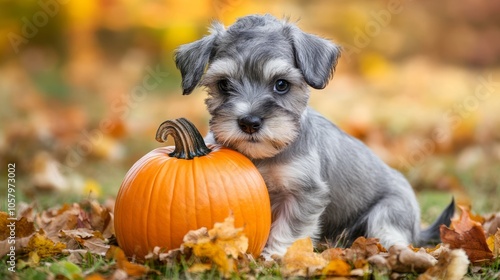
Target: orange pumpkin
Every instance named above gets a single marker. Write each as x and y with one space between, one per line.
172 190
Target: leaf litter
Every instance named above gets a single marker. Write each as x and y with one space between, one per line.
65 237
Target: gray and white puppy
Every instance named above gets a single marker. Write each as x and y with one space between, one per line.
322 182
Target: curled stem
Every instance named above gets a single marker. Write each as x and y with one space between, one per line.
188 141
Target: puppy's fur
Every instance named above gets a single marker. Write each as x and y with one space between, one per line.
322 182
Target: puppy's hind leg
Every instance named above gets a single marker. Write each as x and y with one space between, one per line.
393 221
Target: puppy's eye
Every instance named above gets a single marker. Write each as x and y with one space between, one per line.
281 86
224 86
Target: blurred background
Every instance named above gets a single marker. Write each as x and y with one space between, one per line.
85 84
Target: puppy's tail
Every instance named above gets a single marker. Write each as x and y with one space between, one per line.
431 234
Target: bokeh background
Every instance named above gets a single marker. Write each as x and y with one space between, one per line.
85 84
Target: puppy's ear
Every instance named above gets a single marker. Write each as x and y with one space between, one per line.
315 57
191 59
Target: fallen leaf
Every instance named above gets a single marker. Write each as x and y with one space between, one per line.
44 246
54 220
332 254
96 245
468 235
404 259
380 262
194 235
231 239
131 269
363 248
337 267
80 233
301 260
158 254
492 224
76 256
216 254
101 219
21 243
223 245
22 226
494 243
452 265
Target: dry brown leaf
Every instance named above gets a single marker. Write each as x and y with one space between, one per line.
23 227
468 235
365 247
79 234
404 259
380 262
300 260
132 269
54 220
96 245
21 243
75 255
492 224
101 219
332 254
194 235
158 254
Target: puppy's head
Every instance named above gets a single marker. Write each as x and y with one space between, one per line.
257 74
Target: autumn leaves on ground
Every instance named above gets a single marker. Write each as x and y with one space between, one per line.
78 242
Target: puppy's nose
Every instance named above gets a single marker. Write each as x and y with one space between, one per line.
250 124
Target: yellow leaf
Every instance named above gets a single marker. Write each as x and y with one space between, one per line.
491 243
44 246
214 253
494 243
222 245
231 239
300 259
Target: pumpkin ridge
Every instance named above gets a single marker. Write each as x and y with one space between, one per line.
238 180
197 192
172 222
158 162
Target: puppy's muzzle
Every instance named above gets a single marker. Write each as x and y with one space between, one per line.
250 124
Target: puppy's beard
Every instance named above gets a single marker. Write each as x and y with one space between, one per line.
276 134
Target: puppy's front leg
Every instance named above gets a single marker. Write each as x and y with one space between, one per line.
296 214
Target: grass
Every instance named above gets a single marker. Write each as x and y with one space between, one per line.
178 270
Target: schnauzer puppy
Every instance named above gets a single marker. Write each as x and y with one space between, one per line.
322 182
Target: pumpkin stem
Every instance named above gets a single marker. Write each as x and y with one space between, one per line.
188 141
